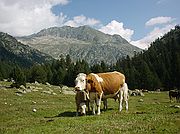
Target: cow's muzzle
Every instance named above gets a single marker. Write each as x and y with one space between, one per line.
77 88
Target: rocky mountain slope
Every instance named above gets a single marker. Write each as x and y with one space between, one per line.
16 52
82 42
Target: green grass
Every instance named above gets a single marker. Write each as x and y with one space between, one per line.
56 114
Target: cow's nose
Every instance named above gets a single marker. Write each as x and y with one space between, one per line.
77 88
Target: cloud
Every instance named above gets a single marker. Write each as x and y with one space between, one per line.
159 20
161 1
145 42
81 20
23 17
115 27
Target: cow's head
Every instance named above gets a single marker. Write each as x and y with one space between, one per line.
80 82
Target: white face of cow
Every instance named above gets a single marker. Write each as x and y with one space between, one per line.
80 82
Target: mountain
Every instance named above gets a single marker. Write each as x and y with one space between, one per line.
16 52
81 42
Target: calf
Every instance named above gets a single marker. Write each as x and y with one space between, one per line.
174 94
82 98
81 102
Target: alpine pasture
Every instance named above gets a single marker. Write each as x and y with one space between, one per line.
48 109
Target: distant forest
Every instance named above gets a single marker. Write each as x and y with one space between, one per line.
158 67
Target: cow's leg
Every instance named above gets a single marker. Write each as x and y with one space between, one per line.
77 110
83 108
120 100
87 103
98 103
93 107
92 98
126 95
126 101
105 104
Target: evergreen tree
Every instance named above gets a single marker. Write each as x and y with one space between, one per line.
49 73
68 61
18 77
38 74
104 66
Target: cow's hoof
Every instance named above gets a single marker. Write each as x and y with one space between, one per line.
83 114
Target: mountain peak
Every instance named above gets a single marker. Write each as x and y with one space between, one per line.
81 42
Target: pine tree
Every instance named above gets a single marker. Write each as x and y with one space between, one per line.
19 77
38 74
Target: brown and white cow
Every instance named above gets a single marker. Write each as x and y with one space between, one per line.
106 85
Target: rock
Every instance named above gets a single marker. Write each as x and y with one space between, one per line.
54 93
48 84
177 106
28 90
65 88
145 90
31 87
20 91
50 90
38 88
141 100
22 87
46 92
5 80
35 90
36 83
34 110
136 92
34 102
141 94
18 94
68 92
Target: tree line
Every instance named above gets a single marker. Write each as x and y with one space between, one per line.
158 67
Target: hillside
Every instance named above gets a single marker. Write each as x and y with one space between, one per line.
158 67
13 51
80 43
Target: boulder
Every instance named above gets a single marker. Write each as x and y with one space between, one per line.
136 92
22 87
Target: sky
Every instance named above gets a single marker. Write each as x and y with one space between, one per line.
138 21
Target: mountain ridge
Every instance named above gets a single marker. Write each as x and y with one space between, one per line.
16 52
81 42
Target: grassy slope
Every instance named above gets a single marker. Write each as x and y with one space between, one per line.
56 114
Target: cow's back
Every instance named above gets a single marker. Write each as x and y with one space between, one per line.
112 82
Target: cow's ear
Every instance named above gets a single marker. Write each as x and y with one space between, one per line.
90 81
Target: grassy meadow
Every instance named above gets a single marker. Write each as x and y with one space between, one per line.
37 112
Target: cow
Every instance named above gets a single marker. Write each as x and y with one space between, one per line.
104 85
81 99
174 94
80 85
